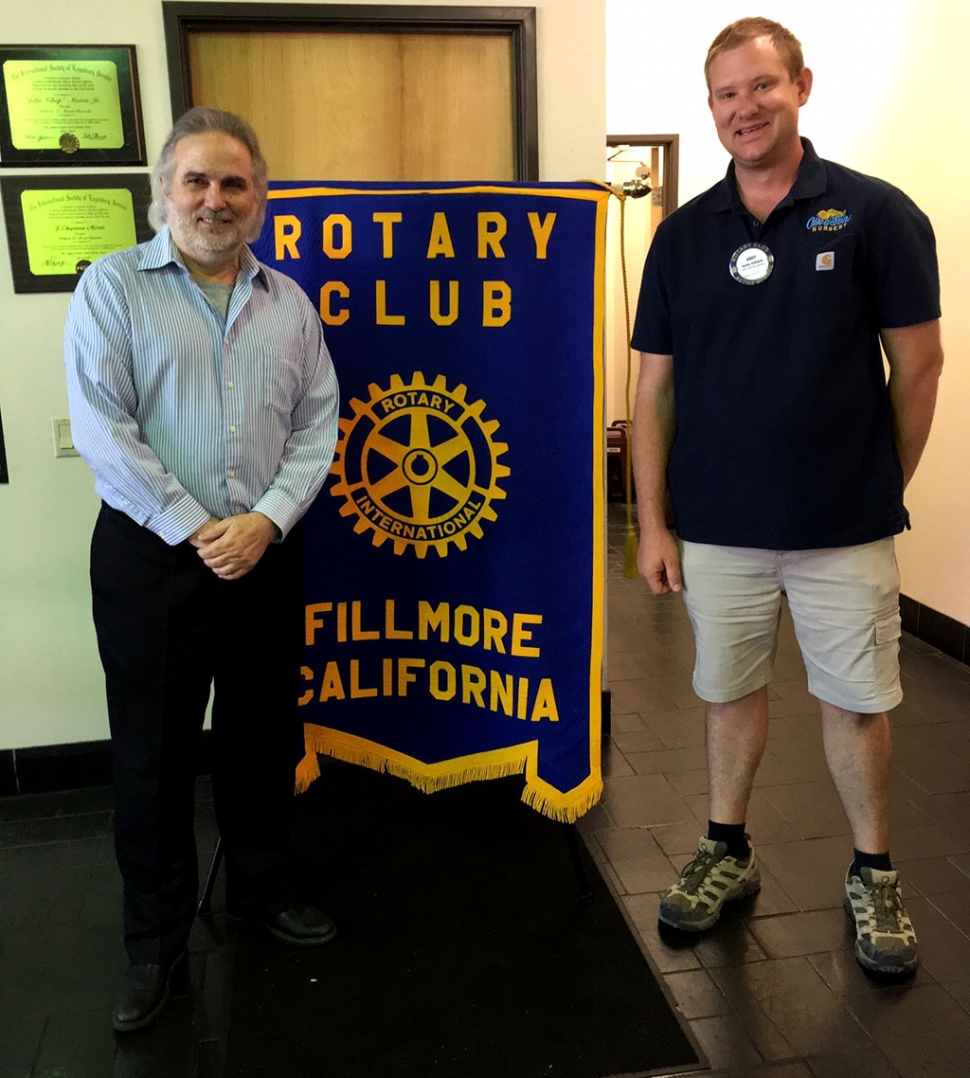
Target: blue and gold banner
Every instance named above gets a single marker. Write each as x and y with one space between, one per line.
454 573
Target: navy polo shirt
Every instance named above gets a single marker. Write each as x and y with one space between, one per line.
784 434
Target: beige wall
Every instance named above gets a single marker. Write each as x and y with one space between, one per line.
50 680
888 100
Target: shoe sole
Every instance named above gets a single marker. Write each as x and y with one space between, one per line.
297 941
871 964
752 887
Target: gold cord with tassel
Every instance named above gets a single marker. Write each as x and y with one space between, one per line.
630 570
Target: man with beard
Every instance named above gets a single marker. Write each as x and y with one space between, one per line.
204 399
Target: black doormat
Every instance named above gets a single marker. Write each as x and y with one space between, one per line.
464 949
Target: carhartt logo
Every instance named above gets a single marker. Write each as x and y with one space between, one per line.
825 261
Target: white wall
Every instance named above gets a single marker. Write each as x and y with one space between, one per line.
51 689
888 100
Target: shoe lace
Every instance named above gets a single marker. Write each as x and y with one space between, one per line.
886 905
697 870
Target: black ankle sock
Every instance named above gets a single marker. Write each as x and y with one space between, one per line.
878 861
733 835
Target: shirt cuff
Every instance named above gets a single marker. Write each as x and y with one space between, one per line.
180 520
280 510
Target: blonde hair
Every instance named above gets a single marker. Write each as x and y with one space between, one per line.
744 30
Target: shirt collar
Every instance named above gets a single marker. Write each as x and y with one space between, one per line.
810 182
161 251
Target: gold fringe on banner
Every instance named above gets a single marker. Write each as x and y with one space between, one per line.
429 778
563 813
307 771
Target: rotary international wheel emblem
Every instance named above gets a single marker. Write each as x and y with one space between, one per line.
417 465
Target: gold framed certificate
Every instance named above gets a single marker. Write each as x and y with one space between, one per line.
69 105
58 225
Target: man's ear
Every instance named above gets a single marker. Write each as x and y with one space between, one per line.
804 83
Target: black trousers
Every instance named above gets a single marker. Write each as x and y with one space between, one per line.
169 630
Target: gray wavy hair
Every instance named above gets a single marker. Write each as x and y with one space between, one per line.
199 121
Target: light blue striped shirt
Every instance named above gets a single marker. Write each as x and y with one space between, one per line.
183 414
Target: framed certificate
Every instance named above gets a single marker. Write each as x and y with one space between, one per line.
69 105
57 226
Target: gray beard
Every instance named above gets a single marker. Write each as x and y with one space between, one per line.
194 236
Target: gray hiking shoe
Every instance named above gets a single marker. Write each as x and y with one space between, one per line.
711 879
885 940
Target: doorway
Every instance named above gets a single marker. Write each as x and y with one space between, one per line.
366 92
647 165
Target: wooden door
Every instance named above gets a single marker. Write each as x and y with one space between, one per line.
360 92
365 106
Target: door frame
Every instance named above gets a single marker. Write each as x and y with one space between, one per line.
181 19
671 149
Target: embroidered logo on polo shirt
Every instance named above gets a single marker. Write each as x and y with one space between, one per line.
825 260
828 221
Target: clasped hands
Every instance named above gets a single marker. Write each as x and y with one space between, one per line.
230 547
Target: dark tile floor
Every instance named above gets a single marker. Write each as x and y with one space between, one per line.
772 992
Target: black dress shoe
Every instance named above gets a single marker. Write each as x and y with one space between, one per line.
143 994
301 925
306 926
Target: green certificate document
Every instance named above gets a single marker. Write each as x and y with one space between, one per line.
63 105
66 230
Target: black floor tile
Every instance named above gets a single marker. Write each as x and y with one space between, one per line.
21 1032
47 829
31 806
17 861
76 1042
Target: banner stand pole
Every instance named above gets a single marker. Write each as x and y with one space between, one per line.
205 899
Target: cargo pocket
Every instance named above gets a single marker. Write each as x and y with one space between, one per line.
888 627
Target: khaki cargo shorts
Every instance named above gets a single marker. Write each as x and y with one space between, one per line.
844 602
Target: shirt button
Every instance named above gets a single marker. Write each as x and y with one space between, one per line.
232 385
232 429
232 474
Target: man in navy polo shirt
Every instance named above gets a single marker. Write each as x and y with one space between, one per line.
763 404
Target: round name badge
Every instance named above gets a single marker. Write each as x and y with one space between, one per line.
752 263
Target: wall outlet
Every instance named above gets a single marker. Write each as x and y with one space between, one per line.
63 442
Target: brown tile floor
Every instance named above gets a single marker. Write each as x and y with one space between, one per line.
774 990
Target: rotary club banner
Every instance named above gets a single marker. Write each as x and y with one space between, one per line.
454 570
